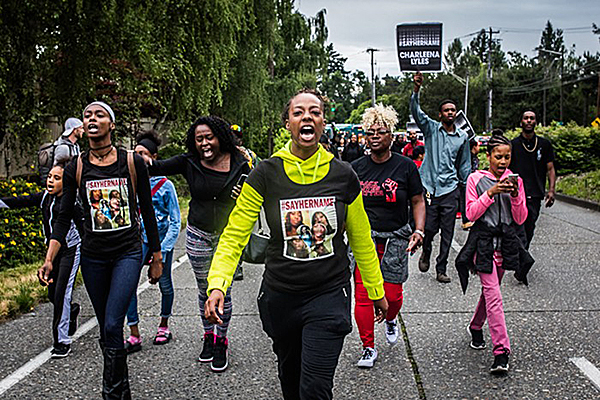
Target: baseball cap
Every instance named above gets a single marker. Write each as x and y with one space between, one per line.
70 124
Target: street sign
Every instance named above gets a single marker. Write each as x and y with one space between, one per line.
461 121
596 122
419 46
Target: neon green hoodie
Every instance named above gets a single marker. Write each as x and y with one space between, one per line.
247 209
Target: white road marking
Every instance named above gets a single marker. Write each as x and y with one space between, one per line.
44 356
588 369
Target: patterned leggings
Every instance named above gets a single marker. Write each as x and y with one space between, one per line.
200 247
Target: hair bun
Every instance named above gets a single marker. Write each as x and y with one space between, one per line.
497 132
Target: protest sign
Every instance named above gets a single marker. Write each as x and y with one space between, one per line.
419 46
461 121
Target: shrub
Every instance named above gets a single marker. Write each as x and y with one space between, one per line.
21 236
585 186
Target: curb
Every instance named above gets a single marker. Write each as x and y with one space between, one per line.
591 205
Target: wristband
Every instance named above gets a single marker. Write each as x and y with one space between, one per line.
420 232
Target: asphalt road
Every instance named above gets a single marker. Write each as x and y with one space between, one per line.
553 324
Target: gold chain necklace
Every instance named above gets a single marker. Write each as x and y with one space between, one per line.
534 146
101 157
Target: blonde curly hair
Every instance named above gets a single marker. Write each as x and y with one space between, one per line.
381 115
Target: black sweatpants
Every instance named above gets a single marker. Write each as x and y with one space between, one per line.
440 215
64 270
308 332
534 204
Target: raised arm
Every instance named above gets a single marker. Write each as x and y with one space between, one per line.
171 166
30 200
420 117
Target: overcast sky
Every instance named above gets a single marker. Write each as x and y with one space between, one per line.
355 25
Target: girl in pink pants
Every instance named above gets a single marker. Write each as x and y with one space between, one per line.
495 202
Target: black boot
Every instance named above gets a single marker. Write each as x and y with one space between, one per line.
115 380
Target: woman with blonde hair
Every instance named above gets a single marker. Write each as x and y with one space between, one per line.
388 181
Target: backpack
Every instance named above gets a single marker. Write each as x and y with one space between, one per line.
45 161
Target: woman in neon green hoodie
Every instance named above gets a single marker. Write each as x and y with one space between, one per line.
304 299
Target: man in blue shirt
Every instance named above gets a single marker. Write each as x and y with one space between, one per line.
447 163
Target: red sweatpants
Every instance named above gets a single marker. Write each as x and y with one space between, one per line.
364 313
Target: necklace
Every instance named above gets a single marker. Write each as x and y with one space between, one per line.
100 157
534 146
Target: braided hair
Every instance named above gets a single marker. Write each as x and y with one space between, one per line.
497 139
219 127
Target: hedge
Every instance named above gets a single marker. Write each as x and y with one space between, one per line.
21 235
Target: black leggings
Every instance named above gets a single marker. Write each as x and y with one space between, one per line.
64 270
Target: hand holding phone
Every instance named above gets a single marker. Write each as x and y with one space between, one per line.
237 189
514 180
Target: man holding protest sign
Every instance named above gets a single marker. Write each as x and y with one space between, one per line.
447 163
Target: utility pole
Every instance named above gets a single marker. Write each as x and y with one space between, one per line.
560 53
466 95
488 114
373 98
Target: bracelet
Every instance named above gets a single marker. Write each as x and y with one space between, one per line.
420 232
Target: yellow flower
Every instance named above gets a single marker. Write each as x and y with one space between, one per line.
14 195
6 220
12 181
7 234
33 234
13 242
21 220
23 233
13 189
2 245
32 243
25 194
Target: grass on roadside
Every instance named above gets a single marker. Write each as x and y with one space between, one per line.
584 186
20 290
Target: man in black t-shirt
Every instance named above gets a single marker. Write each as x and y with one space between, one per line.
533 159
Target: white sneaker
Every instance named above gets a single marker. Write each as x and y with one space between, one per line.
391 332
368 358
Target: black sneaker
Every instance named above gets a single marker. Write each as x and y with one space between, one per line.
208 349
423 263
219 361
75 308
239 273
500 365
60 350
477 341
443 278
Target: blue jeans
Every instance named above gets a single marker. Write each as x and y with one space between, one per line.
166 289
110 283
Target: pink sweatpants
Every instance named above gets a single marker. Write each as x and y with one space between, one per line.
490 307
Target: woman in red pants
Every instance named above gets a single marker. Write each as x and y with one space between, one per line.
388 181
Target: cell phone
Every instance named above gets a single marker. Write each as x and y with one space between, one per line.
513 178
241 179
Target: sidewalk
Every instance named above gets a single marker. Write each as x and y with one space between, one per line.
549 322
